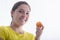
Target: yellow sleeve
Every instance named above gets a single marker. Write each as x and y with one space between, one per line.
2 34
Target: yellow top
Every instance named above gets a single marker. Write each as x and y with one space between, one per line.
6 33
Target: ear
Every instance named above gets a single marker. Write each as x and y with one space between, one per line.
11 13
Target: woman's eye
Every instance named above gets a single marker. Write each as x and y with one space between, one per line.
27 13
20 11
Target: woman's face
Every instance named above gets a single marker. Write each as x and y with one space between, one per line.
21 14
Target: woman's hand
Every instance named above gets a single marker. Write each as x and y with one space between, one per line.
39 32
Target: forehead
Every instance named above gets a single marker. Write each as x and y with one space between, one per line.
24 7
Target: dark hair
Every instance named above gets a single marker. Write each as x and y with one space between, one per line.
18 4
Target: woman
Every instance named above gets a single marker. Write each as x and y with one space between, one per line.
19 14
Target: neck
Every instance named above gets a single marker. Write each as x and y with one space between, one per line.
16 28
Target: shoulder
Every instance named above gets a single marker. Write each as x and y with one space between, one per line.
3 28
3 32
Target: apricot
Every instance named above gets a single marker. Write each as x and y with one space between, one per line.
38 24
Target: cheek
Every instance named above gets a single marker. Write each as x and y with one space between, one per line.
27 18
15 16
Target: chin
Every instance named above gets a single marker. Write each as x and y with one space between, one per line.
21 23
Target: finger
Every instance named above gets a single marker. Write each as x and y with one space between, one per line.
42 27
38 29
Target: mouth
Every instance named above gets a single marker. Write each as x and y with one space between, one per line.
22 20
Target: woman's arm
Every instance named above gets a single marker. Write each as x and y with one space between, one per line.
39 32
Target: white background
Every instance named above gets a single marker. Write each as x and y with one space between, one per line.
46 11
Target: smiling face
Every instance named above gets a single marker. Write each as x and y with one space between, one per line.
20 15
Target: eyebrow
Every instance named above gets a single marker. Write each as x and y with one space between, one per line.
23 10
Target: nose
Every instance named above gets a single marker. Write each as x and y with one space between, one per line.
24 15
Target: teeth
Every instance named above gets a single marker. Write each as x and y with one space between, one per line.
22 19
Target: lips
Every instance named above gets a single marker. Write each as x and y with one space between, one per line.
22 19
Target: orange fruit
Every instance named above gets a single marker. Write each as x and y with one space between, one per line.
38 24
